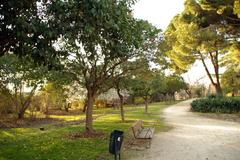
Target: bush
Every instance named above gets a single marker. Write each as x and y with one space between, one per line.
216 105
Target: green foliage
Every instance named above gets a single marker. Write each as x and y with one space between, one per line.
236 8
159 83
101 43
152 84
17 72
26 32
55 96
216 105
19 79
231 80
227 11
6 105
189 40
198 34
175 84
197 90
54 142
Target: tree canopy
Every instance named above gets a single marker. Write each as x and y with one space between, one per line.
105 39
202 32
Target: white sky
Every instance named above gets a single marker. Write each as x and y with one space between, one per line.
160 13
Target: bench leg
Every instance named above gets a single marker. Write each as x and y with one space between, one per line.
149 144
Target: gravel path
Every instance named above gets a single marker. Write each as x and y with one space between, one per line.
194 138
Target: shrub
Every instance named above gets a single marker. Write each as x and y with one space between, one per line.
216 105
212 96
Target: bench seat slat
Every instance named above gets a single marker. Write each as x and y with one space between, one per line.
146 133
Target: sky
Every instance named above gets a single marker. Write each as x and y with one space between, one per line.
160 13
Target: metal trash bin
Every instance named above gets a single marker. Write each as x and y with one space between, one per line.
116 139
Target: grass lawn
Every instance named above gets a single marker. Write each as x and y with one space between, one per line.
53 143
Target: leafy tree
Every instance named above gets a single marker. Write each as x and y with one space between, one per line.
106 37
226 16
227 21
26 29
56 95
198 90
141 87
146 84
188 40
135 68
231 81
17 77
158 84
174 84
120 84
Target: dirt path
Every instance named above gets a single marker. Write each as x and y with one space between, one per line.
194 138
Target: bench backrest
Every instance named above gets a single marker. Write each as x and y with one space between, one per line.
137 128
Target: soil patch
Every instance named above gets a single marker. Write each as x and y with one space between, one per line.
86 135
27 122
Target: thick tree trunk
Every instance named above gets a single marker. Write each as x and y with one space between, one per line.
89 111
218 89
121 103
22 111
23 108
21 114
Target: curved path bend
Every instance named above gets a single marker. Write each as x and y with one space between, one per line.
194 137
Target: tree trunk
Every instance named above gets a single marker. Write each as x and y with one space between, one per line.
233 94
121 103
218 90
46 110
24 106
89 111
172 96
146 105
84 106
189 93
214 60
67 106
122 112
133 99
21 114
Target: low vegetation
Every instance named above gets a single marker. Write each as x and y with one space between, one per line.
57 141
217 105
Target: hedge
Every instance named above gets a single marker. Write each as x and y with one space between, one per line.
216 105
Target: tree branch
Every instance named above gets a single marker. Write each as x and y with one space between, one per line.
205 66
